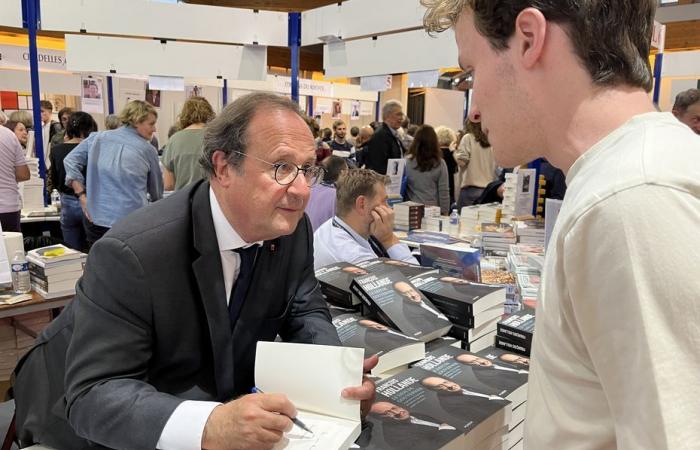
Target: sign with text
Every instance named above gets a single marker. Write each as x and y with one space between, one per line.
283 85
379 83
18 57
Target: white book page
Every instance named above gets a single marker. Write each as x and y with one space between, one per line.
311 376
328 433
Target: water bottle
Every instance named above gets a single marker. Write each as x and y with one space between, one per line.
56 199
454 223
21 283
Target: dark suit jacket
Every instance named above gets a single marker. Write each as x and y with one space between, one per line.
381 147
149 328
403 435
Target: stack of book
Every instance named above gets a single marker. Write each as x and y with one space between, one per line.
423 409
497 238
335 282
395 350
514 333
460 261
469 220
474 309
528 287
530 232
408 215
506 359
432 220
509 195
32 190
55 269
380 266
398 304
506 280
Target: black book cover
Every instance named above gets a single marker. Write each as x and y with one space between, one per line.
418 410
398 304
518 327
376 338
457 298
440 342
380 266
335 282
484 375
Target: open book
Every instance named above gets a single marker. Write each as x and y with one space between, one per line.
312 377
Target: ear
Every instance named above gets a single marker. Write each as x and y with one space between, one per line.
360 203
529 36
222 171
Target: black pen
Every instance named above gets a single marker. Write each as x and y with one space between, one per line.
294 420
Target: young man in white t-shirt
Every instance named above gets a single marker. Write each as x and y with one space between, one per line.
615 362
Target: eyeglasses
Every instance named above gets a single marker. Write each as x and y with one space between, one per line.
286 172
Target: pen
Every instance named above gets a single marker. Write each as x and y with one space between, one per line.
294 420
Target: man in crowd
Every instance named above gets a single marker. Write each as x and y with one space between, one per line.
48 127
687 108
386 143
339 145
569 81
363 137
363 226
158 347
321 206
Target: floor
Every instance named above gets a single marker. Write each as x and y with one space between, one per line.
6 411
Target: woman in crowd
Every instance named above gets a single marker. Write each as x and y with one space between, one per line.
13 169
20 131
181 153
60 134
323 150
78 127
446 139
121 170
475 158
426 171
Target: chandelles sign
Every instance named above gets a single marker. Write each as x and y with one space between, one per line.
17 57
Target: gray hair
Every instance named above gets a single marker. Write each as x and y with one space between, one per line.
3 118
391 106
686 99
112 122
228 132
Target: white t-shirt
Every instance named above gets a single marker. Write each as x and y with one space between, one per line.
11 157
616 353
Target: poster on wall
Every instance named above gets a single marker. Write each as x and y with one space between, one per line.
153 97
57 100
91 95
323 106
355 110
193 91
337 109
127 95
366 108
395 169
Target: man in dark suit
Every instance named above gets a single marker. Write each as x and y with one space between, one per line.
404 429
417 313
157 349
379 339
385 143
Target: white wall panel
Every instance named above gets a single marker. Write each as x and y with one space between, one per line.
171 21
360 18
390 54
52 83
679 13
178 59
444 107
11 13
681 64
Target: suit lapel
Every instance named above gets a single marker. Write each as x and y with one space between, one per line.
208 272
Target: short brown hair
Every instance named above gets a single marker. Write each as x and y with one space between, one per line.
352 184
45 104
195 110
612 39
686 99
135 112
338 123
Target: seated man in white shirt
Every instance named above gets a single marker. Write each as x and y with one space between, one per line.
363 227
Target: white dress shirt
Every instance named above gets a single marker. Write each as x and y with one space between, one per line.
184 428
341 243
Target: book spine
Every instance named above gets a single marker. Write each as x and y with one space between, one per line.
521 337
512 346
342 298
456 306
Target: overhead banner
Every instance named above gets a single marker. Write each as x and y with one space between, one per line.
14 56
379 83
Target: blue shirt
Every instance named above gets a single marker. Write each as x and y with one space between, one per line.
340 243
122 167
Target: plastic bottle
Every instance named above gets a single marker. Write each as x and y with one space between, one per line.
21 283
56 199
454 223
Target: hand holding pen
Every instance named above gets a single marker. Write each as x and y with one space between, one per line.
294 420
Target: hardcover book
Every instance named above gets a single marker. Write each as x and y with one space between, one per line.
417 409
517 329
398 304
335 282
381 266
461 262
393 348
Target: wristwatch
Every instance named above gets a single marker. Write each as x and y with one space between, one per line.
80 194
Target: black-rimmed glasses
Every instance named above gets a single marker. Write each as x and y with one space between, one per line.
286 172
